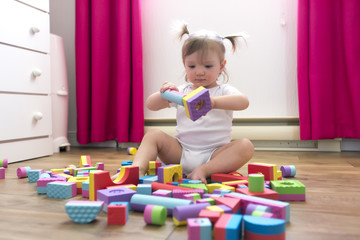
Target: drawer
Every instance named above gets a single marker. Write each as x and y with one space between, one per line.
18 116
40 4
26 149
24 26
20 70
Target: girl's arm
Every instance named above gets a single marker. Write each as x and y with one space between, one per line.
230 102
155 102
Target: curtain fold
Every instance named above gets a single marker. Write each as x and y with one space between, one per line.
109 76
328 69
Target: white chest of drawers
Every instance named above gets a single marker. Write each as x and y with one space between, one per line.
25 101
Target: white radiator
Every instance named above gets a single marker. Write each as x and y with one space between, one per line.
276 134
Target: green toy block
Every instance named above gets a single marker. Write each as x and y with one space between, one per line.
288 187
195 186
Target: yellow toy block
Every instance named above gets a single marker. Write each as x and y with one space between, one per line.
170 173
212 186
65 175
131 186
85 160
78 181
215 208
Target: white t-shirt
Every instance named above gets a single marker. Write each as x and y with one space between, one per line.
210 131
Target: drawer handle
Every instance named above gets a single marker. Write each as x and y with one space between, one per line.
38 115
35 30
36 73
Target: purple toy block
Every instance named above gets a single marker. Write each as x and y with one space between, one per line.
2 173
178 193
121 194
288 171
181 213
292 197
198 104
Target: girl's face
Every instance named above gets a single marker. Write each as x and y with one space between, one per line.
203 69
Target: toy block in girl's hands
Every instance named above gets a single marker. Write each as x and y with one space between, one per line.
197 103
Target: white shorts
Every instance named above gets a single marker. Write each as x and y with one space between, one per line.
191 159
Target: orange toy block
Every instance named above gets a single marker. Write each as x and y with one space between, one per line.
102 180
85 160
267 193
232 203
269 171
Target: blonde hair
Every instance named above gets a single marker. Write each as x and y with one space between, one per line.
204 40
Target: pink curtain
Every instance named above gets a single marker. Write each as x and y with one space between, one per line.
329 68
109 76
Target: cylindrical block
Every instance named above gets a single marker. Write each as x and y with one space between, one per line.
138 202
256 182
155 215
181 213
288 171
173 96
4 163
23 172
131 150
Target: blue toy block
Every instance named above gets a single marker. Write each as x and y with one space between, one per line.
144 189
173 96
83 211
126 163
264 226
85 186
199 229
63 190
149 180
34 175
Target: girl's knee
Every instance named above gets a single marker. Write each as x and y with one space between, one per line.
246 147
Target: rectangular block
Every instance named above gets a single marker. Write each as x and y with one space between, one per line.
63 190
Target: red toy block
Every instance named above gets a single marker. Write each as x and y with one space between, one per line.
213 216
232 203
222 177
117 214
267 193
157 186
220 226
101 180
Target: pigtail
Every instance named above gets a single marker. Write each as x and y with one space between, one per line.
234 39
184 30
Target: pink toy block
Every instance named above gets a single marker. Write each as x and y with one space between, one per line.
178 193
267 193
2 173
223 177
101 180
156 186
232 203
85 160
100 166
213 216
162 193
23 172
228 227
199 229
4 163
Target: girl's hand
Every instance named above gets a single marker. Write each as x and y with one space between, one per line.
198 173
167 85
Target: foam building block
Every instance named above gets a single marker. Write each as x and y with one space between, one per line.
2 173
42 184
117 214
131 150
256 182
213 216
269 171
34 175
232 203
156 186
229 226
162 193
199 229
279 209
178 193
101 180
155 215
221 192
114 195
138 202
83 211
289 190
100 166
173 96
85 160
259 228
22 172
4 163
144 189
85 189
153 167
126 163
226 177
195 185
182 213
151 179
192 196
197 103
122 203
169 173
63 190
267 193
288 171
212 186
131 186
79 181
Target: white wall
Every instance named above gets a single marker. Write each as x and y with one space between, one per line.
265 69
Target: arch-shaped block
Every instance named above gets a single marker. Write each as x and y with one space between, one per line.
197 103
101 180
83 211
169 173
